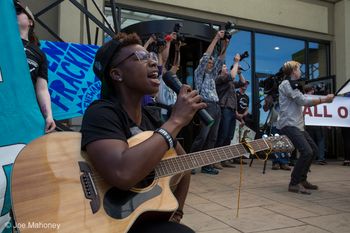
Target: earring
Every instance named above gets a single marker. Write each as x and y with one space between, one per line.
119 79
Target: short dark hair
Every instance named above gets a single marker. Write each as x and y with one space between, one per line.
107 54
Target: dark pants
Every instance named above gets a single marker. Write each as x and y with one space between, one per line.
227 127
207 136
317 134
346 137
307 148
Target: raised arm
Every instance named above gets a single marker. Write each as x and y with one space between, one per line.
150 41
218 36
234 69
301 99
164 53
241 77
176 63
321 100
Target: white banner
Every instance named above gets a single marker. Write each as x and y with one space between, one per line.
239 133
344 89
336 114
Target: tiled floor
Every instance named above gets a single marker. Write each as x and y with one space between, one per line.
265 203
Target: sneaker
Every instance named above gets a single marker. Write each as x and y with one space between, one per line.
275 166
285 167
306 184
209 170
298 188
218 166
322 162
238 161
227 164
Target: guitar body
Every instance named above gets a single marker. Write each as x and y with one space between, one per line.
50 186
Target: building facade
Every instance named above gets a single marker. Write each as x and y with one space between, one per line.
314 32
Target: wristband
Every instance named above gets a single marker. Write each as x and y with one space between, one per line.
167 136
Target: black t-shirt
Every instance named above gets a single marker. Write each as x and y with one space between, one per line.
105 119
36 60
242 102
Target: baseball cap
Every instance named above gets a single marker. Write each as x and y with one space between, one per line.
104 57
21 7
102 60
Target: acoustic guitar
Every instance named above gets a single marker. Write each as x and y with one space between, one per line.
55 189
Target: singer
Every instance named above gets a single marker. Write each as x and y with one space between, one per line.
204 80
128 72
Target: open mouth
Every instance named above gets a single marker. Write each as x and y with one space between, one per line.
154 78
153 75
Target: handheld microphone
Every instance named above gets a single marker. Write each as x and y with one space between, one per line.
174 83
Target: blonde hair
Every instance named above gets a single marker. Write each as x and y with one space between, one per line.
289 66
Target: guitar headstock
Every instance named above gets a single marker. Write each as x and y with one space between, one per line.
279 143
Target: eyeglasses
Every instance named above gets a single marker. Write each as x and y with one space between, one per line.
142 56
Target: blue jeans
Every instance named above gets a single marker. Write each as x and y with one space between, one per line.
307 148
227 127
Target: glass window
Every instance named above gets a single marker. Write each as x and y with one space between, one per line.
271 52
317 60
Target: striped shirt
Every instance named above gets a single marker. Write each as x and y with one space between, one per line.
205 81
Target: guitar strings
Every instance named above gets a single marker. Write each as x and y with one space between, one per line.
97 177
165 167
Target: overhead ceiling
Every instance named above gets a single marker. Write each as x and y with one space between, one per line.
332 1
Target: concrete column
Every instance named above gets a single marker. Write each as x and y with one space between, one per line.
342 41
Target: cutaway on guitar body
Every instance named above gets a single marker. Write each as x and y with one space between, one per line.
47 189
56 189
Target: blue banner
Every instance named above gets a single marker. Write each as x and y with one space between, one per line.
20 117
72 82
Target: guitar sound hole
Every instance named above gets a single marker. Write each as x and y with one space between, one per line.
147 181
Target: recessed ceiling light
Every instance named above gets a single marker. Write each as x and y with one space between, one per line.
276 48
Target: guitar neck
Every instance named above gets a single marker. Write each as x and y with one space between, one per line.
190 161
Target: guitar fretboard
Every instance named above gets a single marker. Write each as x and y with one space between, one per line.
193 160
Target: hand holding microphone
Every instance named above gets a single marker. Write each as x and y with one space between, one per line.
188 101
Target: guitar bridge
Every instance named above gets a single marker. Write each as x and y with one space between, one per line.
89 186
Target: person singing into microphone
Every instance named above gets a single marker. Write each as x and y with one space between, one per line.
128 72
204 80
